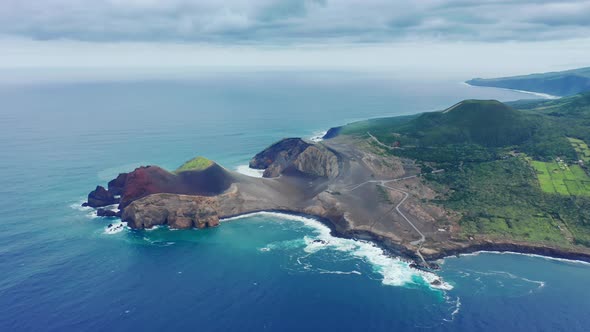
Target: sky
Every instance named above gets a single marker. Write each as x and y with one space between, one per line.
480 36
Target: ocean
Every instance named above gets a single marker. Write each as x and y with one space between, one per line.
60 270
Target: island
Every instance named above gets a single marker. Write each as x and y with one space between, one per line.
479 175
563 83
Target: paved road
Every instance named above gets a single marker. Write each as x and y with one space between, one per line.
406 195
384 183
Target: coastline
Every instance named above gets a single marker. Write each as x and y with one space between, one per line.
407 251
402 252
547 252
476 253
390 250
538 94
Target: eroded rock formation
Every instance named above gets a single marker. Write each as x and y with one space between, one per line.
100 197
176 211
294 154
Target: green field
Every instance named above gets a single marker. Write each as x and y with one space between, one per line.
581 149
557 177
501 199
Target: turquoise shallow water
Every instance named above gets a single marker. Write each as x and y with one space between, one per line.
61 272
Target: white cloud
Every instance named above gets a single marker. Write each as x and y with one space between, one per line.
295 21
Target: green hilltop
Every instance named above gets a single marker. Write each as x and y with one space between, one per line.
488 123
512 171
485 122
195 164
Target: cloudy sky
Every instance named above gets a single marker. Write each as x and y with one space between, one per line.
523 34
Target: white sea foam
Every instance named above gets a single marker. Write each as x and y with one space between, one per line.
113 207
78 206
395 272
564 260
538 94
90 211
318 137
116 228
340 272
246 170
456 309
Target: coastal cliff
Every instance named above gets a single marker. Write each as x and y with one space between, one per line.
296 155
421 186
176 211
199 194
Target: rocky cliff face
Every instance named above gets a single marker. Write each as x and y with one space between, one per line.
100 197
117 185
294 154
148 180
176 211
278 156
318 162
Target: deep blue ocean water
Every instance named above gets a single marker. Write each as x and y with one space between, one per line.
59 271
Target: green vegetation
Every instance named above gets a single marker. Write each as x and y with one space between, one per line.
506 166
581 149
487 123
502 199
383 194
479 130
557 177
381 127
564 83
195 164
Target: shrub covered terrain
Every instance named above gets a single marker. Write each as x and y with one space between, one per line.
511 170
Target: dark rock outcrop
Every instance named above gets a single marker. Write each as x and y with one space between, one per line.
176 211
117 185
296 155
100 197
279 155
332 132
106 213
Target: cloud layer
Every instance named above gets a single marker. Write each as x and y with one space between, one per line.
295 21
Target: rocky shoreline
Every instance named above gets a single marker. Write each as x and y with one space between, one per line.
332 182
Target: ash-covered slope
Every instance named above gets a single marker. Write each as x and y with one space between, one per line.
146 180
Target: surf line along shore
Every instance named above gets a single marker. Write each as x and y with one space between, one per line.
384 183
327 179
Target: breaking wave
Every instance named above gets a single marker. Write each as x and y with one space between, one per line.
393 270
246 170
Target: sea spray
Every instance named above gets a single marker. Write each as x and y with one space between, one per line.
394 271
246 170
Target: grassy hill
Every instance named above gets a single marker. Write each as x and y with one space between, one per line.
511 170
484 122
195 164
564 83
487 123
563 118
